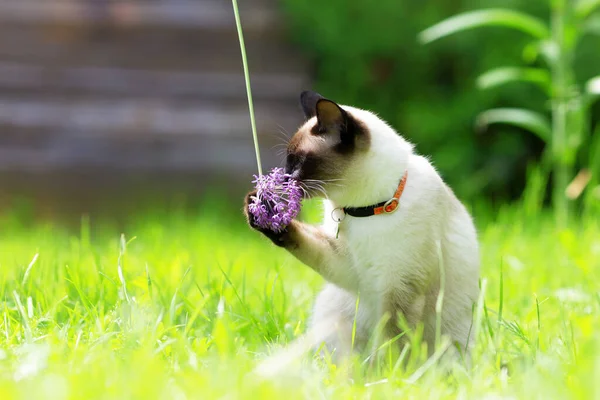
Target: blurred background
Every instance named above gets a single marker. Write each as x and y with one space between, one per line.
114 106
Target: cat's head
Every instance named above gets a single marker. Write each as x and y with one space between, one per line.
336 146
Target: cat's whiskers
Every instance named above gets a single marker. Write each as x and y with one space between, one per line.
315 186
322 183
280 149
283 138
326 181
282 132
307 189
304 190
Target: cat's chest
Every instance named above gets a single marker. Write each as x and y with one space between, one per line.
376 249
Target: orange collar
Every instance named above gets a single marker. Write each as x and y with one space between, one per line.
385 207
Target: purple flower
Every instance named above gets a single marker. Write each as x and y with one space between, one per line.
277 200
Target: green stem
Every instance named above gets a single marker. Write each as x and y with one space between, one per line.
560 107
238 25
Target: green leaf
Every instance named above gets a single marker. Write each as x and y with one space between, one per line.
592 25
532 121
593 86
504 75
488 17
584 8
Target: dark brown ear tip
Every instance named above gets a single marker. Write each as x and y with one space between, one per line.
309 98
308 101
310 93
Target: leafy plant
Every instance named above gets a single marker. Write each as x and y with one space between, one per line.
567 131
364 55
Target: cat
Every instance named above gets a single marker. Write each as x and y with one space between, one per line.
391 230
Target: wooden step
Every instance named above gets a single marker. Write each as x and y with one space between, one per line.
176 154
155 51
179 13
142 117
153 85
215 86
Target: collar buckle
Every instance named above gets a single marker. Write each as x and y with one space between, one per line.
391 205
338 214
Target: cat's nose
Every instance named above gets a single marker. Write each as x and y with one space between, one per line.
295 174
292 165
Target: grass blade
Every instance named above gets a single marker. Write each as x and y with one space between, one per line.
29 267
122 250
431 361
26 327
539 322
149 281
440 299
479 309
501 294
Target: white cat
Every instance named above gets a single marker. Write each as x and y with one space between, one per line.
400 230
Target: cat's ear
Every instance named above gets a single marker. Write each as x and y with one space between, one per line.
335 120
330 116
309 100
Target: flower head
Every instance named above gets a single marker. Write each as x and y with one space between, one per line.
277 200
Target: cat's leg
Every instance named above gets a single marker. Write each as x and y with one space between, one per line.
461 263
334 325
460 294
323 253
315 248
342 324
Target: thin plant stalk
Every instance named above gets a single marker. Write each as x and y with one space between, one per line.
238 25
560 109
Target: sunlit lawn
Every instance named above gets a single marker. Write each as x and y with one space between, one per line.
187 306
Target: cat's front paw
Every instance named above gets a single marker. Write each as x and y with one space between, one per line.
278 238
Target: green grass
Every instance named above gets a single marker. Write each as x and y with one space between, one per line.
187 306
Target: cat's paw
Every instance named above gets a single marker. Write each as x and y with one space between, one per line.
278 238
247 213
